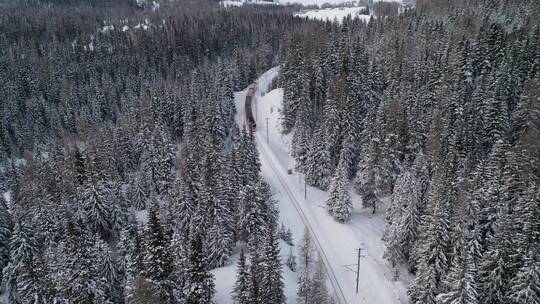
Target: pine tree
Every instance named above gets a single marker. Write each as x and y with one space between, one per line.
339 203
463 279
495 267
138 290
254 203
319 291
157 260
272 281
110 271
318 167
433 250
138 193
366 178
199 287
405 213
24 275
220 240
96 198
82 283
240 292
525 286
184 204
306 256
254 295
6 226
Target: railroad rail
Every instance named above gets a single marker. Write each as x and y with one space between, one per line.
328 268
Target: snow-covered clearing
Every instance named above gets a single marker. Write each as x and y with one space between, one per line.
339 242
318 3
229 3
335 13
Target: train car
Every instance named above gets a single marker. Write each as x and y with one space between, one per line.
250 96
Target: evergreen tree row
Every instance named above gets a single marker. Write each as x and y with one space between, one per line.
436 109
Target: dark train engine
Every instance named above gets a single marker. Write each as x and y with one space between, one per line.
250 96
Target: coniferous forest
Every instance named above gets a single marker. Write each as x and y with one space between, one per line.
100 128
126 179
438 111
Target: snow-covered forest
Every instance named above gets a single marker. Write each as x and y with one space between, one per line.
438 110
126 175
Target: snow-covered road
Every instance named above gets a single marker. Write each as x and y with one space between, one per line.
338 243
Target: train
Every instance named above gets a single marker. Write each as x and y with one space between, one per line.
250 96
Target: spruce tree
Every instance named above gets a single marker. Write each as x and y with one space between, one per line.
306 256
255 295
319 291
19 275
96 198
339 203
6 226
272 280
405 213
318 167
110 270
157 259
433 250
495 267
82 283
240 292
525 286
199 286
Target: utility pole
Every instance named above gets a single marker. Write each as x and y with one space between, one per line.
358 270
349 267
267 140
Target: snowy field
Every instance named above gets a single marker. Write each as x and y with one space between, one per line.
339 242
336 13
302 2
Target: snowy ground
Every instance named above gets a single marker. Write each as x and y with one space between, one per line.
225 277
319 3
336 13
338 242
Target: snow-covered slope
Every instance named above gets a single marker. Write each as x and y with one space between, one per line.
335 13
339 242
302 2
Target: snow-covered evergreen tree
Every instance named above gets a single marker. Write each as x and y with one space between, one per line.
6 226
82 282
199 285
255 276
405 213
433 250
157 259
110 270
318 167
306 260
240 293
525 286
339 203
319 291
272 279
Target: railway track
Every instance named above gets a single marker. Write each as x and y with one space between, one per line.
328 268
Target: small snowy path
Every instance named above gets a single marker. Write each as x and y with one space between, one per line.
338 243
